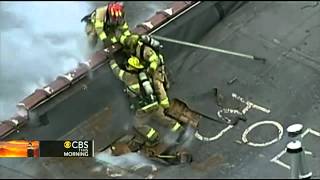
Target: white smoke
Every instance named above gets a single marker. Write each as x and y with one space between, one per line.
146 10
124 161
39 40
188 137
118 166
185 139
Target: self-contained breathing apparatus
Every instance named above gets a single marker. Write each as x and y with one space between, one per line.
153 43
148 92
156 46
146 99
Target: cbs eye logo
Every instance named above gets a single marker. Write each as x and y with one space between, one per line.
76 144
67 144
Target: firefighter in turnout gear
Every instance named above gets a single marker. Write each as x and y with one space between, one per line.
107 23
144 102
149 58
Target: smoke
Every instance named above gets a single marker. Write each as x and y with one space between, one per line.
117 166
39 40
185 140
171 138
146 10
124 161
188 137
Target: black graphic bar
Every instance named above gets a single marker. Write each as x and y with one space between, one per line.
66 148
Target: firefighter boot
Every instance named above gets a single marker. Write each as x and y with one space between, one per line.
179 130
126 144
150 135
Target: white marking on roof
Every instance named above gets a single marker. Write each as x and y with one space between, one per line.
250 128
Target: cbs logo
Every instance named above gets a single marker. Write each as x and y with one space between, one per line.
76 144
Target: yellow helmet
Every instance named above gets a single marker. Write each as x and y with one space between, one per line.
135 62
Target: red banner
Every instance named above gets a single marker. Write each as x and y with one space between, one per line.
19 148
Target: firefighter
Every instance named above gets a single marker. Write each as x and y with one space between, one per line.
148 111
148 57
106 23
144 102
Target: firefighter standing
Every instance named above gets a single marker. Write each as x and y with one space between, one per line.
148 57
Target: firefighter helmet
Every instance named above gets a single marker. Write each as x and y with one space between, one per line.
135 62
115 11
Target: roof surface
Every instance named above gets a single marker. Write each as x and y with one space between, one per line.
287 85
